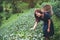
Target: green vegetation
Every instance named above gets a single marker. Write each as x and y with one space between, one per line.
17 17
19 28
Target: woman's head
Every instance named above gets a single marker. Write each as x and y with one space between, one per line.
48 8
38 13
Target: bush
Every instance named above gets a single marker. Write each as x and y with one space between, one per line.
37 6
1 8
56 8
1 20
19 7
22 6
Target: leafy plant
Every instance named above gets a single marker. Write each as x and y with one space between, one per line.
56 8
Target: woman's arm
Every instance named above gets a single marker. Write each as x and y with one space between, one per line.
49 22
35 25
36 19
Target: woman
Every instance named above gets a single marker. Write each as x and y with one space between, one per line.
48 28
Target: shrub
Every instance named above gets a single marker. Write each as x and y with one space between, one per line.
1 8
19 7
37 6
1 20
56 8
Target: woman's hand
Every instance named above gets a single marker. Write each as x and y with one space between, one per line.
32 29
48 30
35 25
